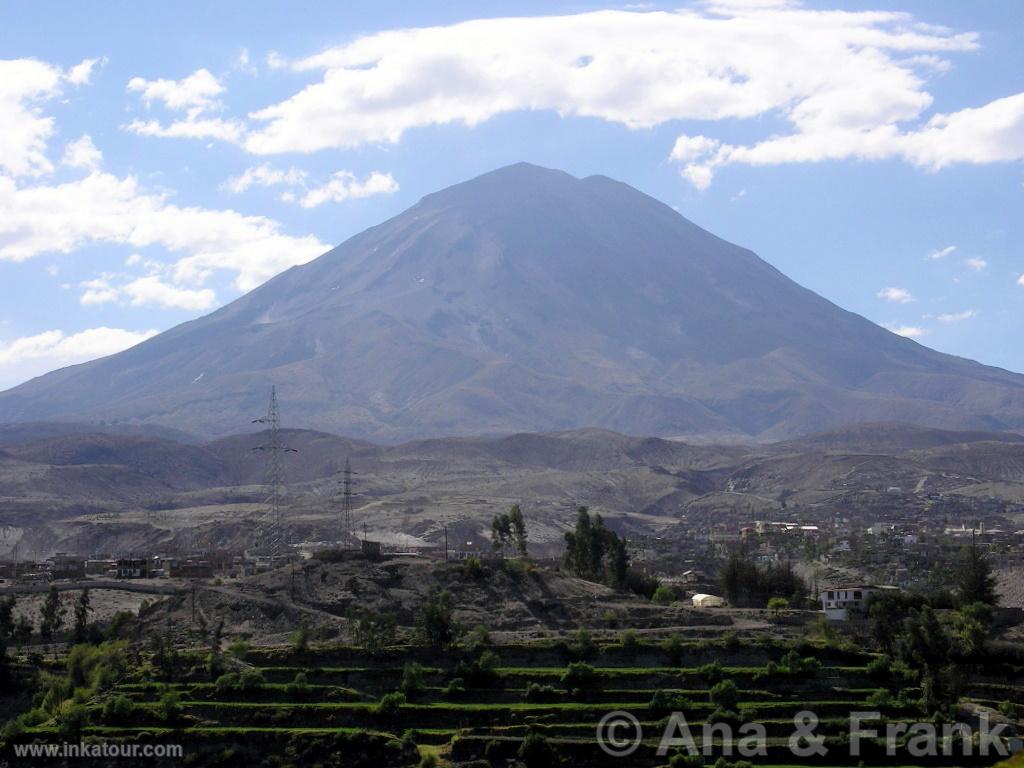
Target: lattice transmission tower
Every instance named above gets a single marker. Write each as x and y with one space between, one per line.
274 530
348 531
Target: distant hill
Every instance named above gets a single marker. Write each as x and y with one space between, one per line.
527 300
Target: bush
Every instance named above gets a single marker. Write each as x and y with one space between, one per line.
118 710
478 637
630 640
412 679
730 640
664 595
725 695
227 683
536 692
390 703
578 675
239 648
673 648
481 672
880 668
536 752
300 639
251 680
168 707
880 698
455 688
711 672
299 686
472 568
664 701
583 646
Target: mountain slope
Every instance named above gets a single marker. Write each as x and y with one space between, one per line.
529 300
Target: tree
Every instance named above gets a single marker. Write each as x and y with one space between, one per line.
501 533
975 581
437 625
82 608
509 530
594 552
777 605
22 630
7 616
518 526
51 616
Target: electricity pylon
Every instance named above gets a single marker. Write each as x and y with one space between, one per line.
273 533
348 533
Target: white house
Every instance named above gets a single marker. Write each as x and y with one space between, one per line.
707 601
839 603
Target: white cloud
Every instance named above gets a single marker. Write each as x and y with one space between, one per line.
957 317
194 126
200 89
98 291
81 73
102 208
345 186
977 264
908 331
1020 280
154 291
824 71
82 153
29 356
23 84
264 176
196 95
276 61
342 185
942 253
896 295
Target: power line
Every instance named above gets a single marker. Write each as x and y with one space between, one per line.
273 533
348 533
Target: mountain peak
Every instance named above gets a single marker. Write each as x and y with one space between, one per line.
527 300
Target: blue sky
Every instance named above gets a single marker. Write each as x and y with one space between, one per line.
160 159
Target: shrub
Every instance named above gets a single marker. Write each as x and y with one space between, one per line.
880 668
390 703
711 672
630 640
412 679
536 752
578 675
300 639
168 707
664 595
730 640
478 637
227 683
239 648
429 760
664 701
725 695
455 688
880 698
118 710
583 646
251 680
683 760
299 686
673 648
472 568
481 672
536 692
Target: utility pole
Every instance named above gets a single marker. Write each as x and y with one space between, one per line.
348 534
446 543
274 530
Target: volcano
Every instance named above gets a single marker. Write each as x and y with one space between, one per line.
529 300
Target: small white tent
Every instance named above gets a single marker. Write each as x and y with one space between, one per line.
707 601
